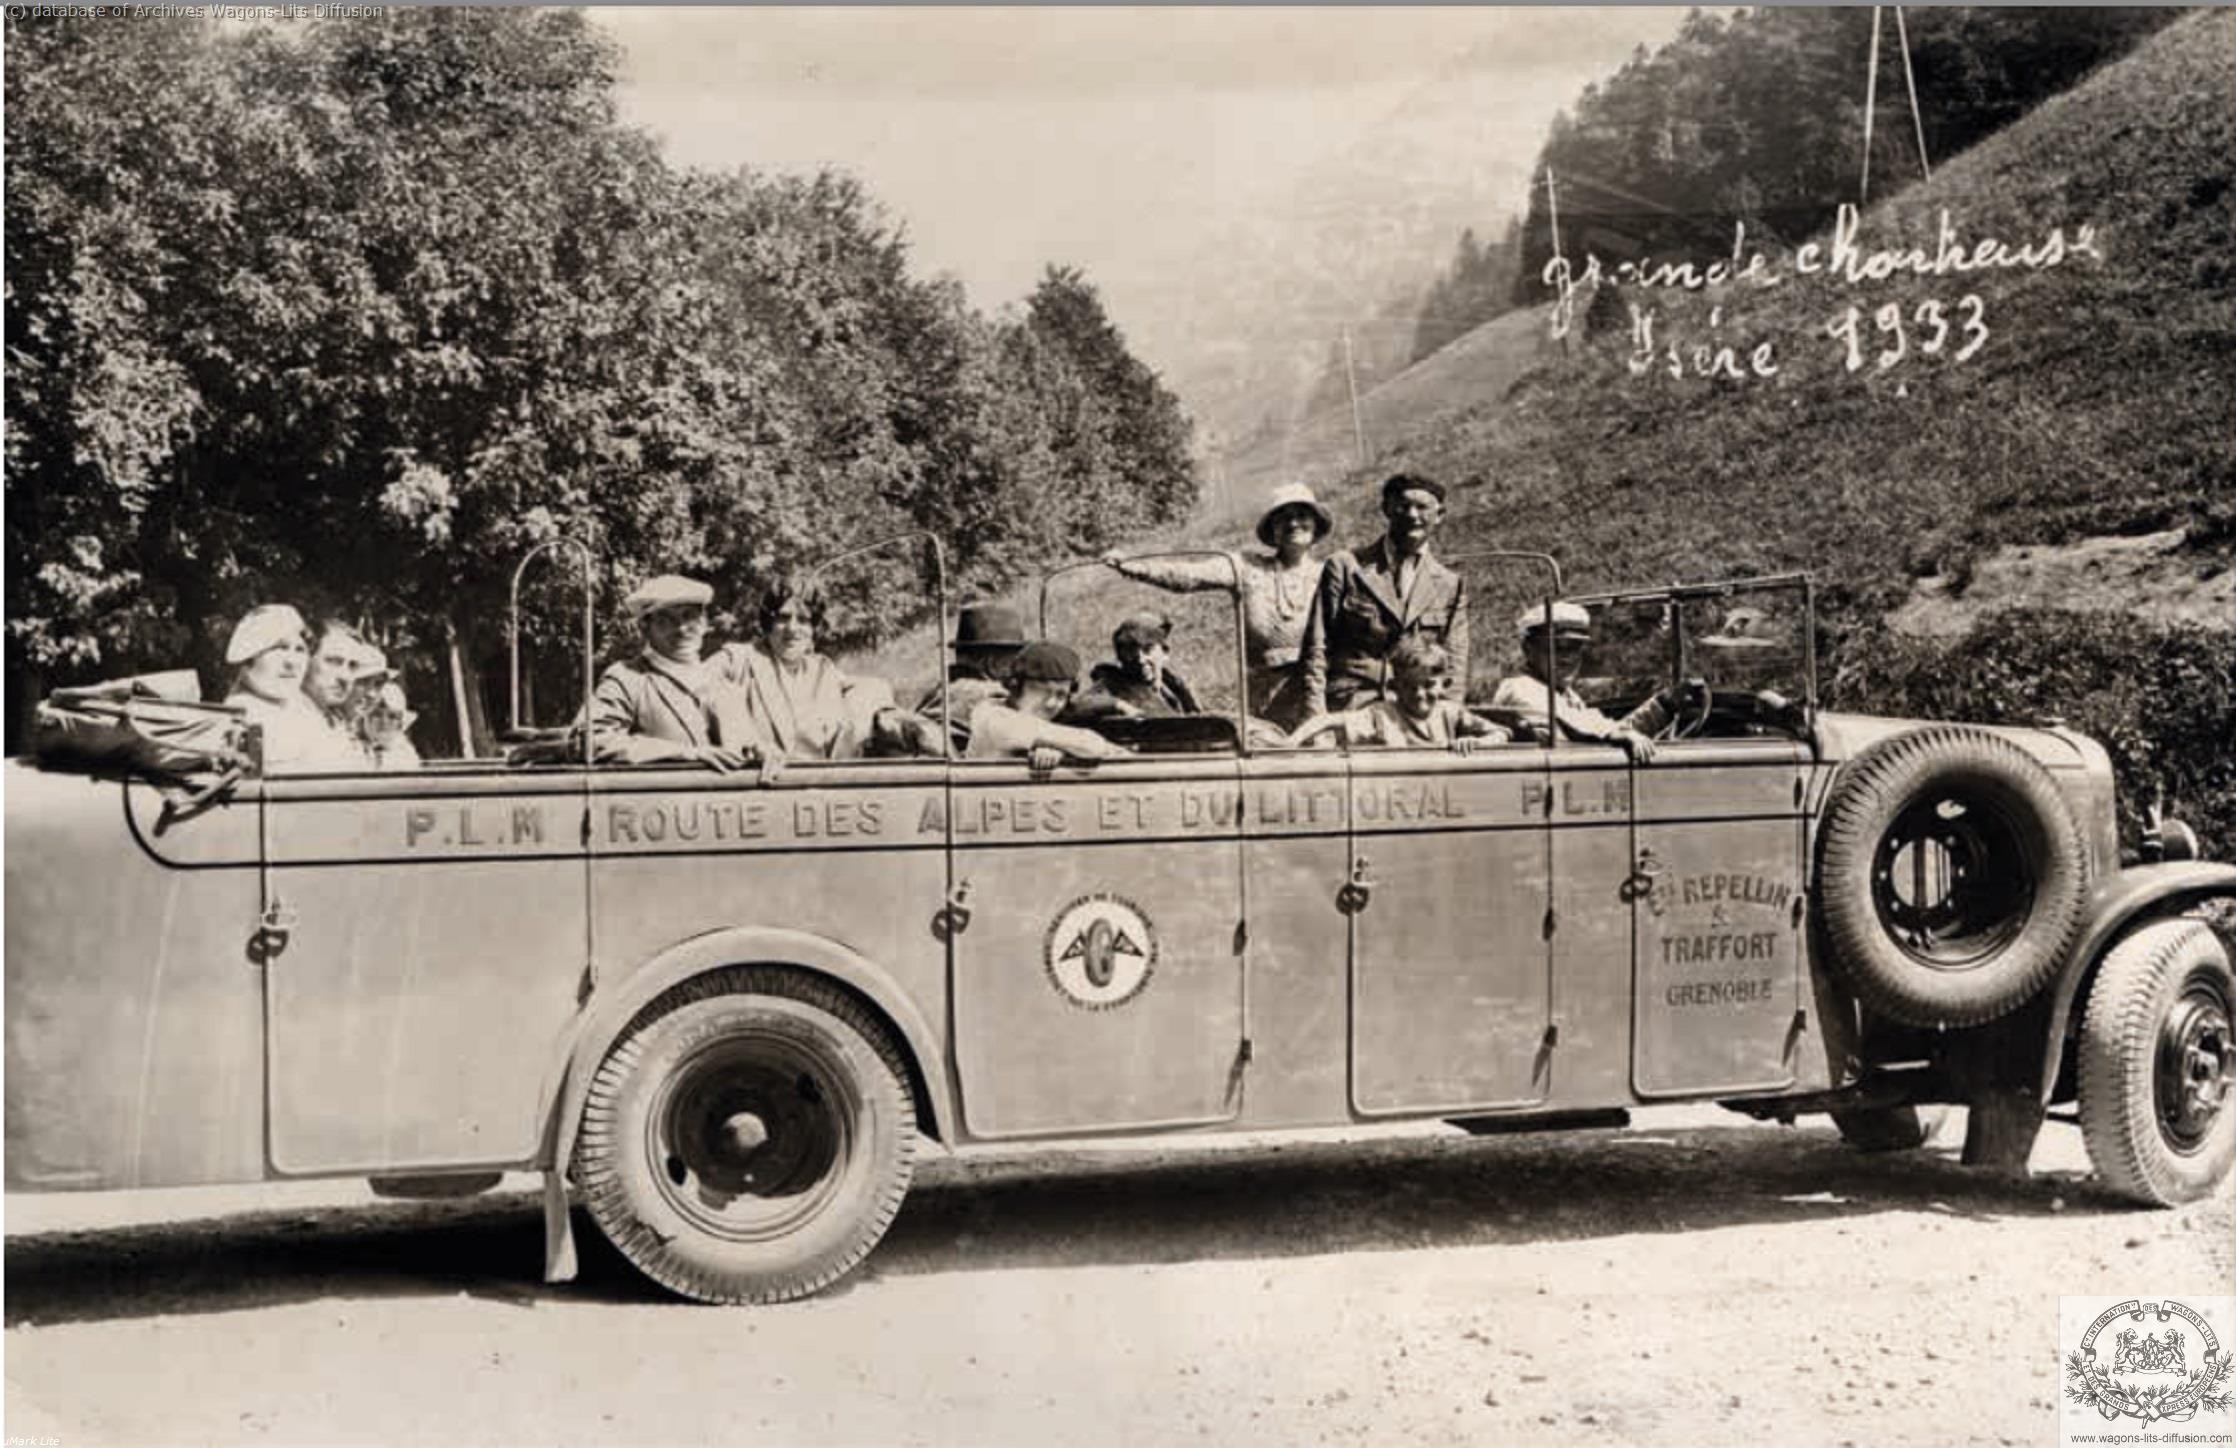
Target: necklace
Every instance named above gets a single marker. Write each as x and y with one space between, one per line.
1292 599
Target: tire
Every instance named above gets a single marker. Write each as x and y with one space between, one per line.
1880 1128
1950 876
2156 1064
749 1138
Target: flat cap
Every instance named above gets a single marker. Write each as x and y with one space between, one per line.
1567 618
261 627
1397 483
1142 629
1045 662
669 590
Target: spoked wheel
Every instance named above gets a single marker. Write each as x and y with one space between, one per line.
749 1139
2158 1064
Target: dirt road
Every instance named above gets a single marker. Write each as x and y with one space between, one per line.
1684 1281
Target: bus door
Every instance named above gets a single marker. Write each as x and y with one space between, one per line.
423 953
1097 953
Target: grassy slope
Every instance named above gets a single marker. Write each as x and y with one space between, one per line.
2104 402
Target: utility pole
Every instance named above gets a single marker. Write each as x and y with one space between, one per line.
1870 102
1351 376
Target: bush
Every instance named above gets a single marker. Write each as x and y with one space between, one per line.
2160 698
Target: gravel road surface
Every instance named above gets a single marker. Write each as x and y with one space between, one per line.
1693 1279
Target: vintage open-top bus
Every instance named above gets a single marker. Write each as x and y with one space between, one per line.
728 1007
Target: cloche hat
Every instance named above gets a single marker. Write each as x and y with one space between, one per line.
1293 495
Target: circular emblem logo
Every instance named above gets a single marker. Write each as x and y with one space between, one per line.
1100 950
2150 1361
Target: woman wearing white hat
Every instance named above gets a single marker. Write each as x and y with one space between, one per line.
270 651
1277 593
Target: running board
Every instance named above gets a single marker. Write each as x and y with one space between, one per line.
1614 1117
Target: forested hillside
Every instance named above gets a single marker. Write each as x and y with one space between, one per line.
352 314
1759 118
2070 399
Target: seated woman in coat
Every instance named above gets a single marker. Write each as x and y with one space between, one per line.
804 705
270 654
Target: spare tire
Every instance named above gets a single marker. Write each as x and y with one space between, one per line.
1950 876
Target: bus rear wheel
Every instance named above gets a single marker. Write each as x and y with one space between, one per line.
749 1138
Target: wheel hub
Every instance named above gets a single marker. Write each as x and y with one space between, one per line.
2196 1062
1951 883
750 1138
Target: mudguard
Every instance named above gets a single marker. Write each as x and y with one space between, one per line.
603 1023
2117 903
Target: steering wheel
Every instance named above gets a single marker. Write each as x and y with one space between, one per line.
1696 705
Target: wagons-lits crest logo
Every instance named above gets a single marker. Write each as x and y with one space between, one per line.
2169 1369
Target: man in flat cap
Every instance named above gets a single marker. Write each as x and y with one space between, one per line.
1041 680
666 704
1139 684
1372 597
1554 637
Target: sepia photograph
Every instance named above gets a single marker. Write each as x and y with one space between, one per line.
939 725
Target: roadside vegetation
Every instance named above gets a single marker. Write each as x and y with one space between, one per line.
353 314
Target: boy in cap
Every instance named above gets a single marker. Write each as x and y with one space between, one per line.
1554 637
1418 712
1041 679
666 704
1371 598
1139 684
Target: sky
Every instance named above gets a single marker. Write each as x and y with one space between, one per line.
1122 140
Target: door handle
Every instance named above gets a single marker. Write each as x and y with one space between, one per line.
1358 890
953 918
1644 882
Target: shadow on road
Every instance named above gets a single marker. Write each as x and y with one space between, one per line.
1097 1207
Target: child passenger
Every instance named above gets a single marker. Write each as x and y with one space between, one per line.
1416 715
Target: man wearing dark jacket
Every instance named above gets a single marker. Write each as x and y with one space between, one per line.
1372 597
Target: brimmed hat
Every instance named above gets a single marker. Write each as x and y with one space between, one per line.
262 627
1045 662
989 626
669 590
1567 618
1745 627
1145 628
1285 497
1397 483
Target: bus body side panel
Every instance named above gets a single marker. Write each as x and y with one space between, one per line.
134 1023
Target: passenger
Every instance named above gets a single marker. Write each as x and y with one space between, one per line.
667 703
1139 684
1386 591
988 637
1277 593
1418 712
270 653
1041 679
803 704
1528 696
346 674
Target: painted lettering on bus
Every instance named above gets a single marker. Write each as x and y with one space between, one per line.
1720 992
1712 948
482 826
1574 797
686 821
1734 888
